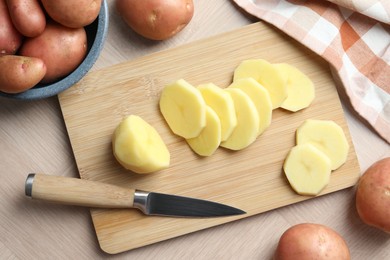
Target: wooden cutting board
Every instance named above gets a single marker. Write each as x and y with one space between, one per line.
251 179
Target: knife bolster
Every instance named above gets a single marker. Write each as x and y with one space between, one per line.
28 185
141 200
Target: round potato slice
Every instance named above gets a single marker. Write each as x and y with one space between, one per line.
207 142
222 103
267 75
300 89
328 137
247 127
260 98
307 169
183 108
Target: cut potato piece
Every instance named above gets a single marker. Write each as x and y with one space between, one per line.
267 75
300 89
138 147
328 137
307 169
183 108
209 139
222 103
260 97
247 127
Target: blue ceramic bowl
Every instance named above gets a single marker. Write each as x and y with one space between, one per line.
96 35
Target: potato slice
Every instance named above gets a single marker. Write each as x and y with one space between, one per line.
183 108
138 147
222 104
247 127
300 89
260 97
307 169
328 137
207 142
267 75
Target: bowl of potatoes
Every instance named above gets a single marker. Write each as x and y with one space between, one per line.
46 51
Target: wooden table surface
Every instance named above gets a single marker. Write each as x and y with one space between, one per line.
33 138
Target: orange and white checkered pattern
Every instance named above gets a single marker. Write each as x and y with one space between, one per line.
352 35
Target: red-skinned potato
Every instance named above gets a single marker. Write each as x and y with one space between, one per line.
73 13
156 19
10 38
61 48
18 73
311 241
27 16
373 195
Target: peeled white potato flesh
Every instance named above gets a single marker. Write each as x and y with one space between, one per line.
208 141
138 147
222 104
307 169
183 108
267 75
247 127
260 97
300 89
328 137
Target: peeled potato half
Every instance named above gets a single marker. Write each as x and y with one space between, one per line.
138 147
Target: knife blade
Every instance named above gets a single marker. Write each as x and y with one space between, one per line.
79 192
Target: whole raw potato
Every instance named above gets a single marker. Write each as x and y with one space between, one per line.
156 19
10 38
61 48
373 195
18 73
73 13
27 16
311 241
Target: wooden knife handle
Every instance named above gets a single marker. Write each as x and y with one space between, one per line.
78 192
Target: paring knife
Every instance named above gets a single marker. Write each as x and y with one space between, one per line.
73 191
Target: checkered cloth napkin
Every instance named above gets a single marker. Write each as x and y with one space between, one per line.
352 35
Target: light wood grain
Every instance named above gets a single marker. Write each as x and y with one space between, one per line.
78 192
250 179
33 138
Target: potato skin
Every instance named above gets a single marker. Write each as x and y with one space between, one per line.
27 16
61 48
73 13
10 38
373 195
18 73
156 19
311 241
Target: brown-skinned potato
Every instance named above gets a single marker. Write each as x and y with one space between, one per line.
19 73
156 19
61 48
10 38
311 241
373 195
73 13
27 16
